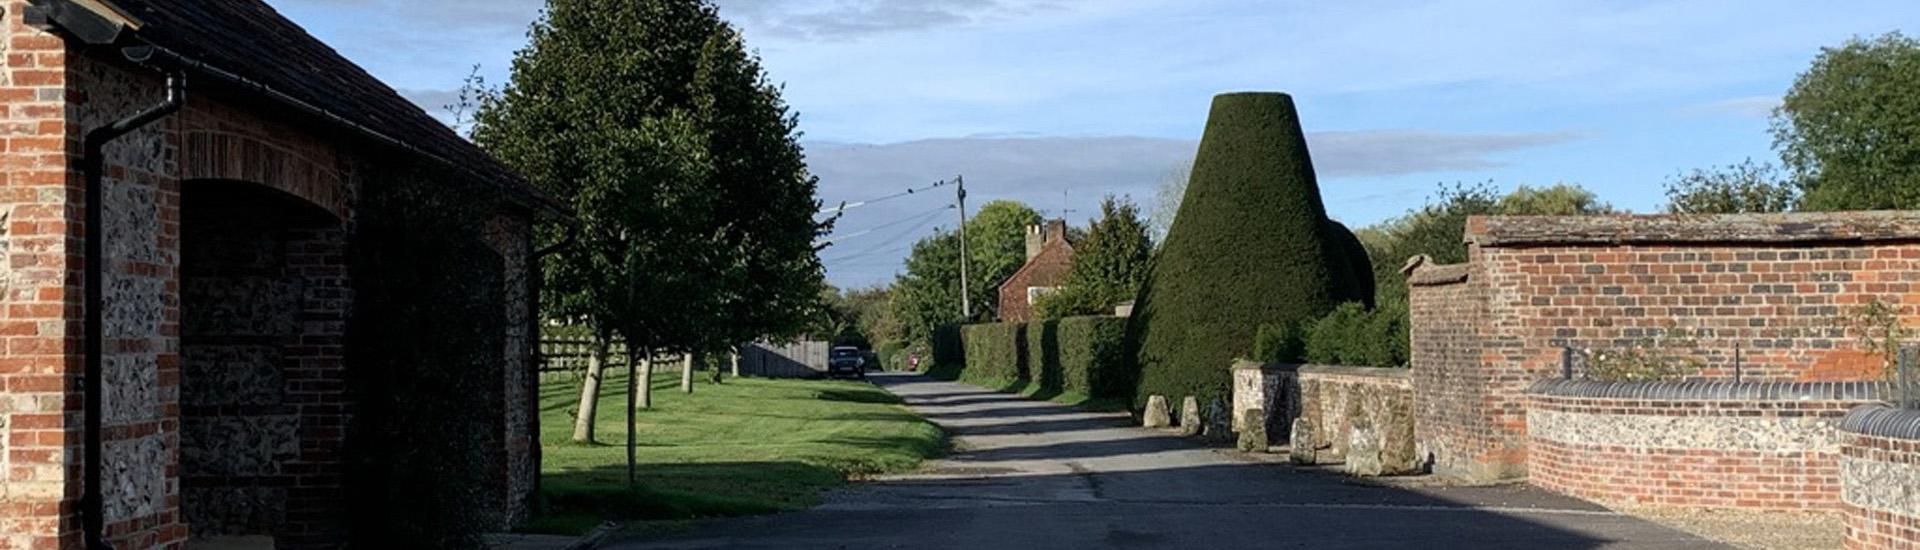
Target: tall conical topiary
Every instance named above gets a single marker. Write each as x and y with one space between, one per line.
1251 245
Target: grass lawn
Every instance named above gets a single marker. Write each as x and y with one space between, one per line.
746 446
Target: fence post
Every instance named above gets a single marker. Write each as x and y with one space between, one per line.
1903 375
1566 362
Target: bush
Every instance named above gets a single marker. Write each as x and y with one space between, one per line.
1278 343
1083 355
949 353
996 352
1355 336
1251 245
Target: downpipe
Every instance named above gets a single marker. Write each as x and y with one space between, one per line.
92 166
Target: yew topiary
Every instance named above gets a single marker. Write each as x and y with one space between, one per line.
1250 246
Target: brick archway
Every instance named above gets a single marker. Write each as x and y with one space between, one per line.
263 402
309 173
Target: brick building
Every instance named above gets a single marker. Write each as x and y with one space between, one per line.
1766 297
1048 257
229 394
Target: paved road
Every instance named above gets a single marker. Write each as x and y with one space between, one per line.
1030 474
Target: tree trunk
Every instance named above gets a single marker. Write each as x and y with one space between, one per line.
633 394
733 357
686 370
645 359
590 392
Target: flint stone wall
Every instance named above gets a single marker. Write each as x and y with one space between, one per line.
1338 401
1879 471
1746 445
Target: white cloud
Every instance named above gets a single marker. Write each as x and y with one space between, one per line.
1073 173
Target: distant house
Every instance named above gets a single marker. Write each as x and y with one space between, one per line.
1048 256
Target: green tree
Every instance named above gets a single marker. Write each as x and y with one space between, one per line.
1436 229
1747 187
764 201
1849 128
1109 264
1251 245
662 134
997 247
1560 199
927 295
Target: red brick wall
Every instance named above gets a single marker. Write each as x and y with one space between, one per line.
1048 269
39 447
1457 417
1773 286
1766 454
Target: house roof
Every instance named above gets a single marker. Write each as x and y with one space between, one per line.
251 40
1066 247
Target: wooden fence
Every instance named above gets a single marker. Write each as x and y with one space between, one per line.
560 356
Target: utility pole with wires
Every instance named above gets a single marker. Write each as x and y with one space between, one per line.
966 303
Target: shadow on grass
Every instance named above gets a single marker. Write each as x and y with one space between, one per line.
574 501
865 395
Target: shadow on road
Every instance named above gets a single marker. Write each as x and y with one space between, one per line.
1040 475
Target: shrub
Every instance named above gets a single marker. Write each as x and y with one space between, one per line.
996 352
1354 335
1251 245
1278 343
1659 355
1084 355
1355 265
949 353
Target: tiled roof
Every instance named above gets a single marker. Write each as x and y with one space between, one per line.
251 39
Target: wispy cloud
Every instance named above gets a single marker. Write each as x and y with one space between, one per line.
849 19
1751 106
1067 176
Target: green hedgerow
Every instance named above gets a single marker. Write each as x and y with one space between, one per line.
1251 245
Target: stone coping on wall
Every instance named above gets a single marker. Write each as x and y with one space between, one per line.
1421 271
1881 420
1709 390
1342 370
1794 227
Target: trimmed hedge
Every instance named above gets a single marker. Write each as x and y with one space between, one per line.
996 352
1250 246
1083 355
1080 355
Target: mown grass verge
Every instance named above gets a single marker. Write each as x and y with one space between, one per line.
744 447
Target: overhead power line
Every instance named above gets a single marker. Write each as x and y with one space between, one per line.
845 206
844 236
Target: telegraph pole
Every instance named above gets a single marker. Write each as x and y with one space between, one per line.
966 304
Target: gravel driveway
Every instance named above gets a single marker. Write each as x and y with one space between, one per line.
1031 474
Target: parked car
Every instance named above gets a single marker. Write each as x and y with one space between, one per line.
846 361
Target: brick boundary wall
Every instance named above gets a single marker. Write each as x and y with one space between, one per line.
1336 400
1879 467
1724 444
1767 288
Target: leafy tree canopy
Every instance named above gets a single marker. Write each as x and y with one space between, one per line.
680 162
1109 264
1849 128
1746 187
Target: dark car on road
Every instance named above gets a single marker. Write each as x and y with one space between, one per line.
846 361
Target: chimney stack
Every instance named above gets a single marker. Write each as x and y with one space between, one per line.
1035 240
1039 235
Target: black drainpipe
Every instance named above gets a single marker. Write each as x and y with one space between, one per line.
92 165
537 273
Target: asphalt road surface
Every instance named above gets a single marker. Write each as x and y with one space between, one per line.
1032 474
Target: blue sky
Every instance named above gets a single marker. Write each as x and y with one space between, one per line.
1058 102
